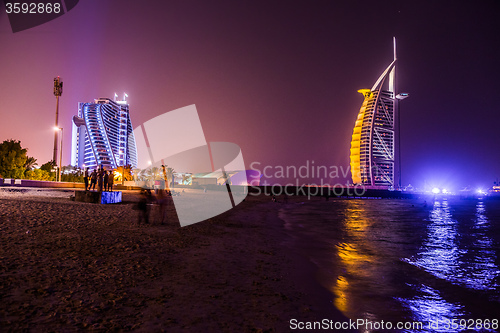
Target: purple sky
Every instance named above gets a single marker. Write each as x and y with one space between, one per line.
279 79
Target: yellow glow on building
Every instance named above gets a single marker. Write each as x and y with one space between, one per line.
356 139
373 138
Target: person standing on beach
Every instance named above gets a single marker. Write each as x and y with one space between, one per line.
86 178
110 181
142 206
93 179
162 201
99 179
105 180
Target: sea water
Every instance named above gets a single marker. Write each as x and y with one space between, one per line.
436 261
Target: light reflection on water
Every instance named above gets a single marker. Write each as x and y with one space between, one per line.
467 259
357 261
484 270
401 260
440 253
429 307
365 279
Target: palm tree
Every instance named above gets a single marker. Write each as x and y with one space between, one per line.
136 173
123 173
30 163
168 175
127 174
155 172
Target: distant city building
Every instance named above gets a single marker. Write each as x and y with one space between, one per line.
103 135
241 177
372 146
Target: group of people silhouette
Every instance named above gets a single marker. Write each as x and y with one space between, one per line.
148 199
100 177
103 179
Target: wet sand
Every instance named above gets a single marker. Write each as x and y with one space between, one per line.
70 266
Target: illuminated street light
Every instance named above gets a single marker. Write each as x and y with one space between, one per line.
435 190
58 88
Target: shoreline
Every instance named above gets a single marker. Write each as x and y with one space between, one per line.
69 265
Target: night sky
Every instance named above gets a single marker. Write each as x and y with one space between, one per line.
279 79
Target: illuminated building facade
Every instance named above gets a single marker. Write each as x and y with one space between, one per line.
103 135
373 139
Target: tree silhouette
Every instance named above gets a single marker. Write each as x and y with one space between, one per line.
12 159
30 163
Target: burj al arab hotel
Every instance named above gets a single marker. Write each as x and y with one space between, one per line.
372 157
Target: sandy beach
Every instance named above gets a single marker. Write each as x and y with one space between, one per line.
69 266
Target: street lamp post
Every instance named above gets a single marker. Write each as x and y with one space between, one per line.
60 155
58 85
61 150
400 97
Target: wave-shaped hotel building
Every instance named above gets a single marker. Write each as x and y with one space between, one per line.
372 156
103 135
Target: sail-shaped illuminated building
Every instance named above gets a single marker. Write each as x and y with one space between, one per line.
373 139
103 135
